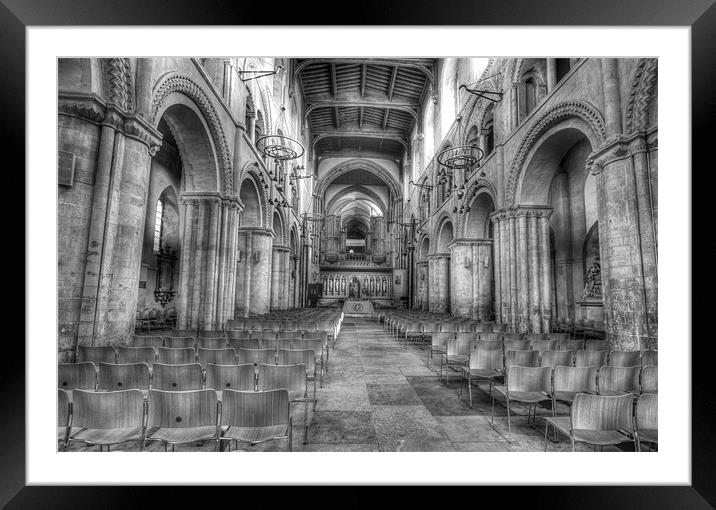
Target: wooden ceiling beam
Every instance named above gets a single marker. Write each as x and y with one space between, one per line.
334 82
391 87
363 76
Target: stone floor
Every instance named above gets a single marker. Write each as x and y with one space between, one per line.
380 396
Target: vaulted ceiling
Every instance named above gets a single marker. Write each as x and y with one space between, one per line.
362 106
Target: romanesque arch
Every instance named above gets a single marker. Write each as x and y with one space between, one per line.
642 97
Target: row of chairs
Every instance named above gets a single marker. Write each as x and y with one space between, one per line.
153 318
217 339
603 424
175 417
181 377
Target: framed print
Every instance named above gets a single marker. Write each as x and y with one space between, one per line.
478 201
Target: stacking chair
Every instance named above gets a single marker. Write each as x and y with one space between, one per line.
462 335
289 377
286 335
64 410
601 420
290 325
412 330
512 337
650 358
306 357
256 356
131 376
107 418
307 335
526 385
618 380
490 345
127 355
465 327
209 333
177 377
256 417
238 333
96 354
649 379
438 344
243 343
182 333
276 343
183 417
557 359
624 358
568 381
596 345
218 356
483 327
76 376
176 356
179 342
571 345
456 353
521 358
495 336
203 342
230 377
516 345
484 365
147 341
536 337
315 345
234 324
543 345
587 358
647 422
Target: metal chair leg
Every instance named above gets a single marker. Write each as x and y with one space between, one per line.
509 425
469 388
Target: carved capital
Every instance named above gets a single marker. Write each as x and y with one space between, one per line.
89 107
139 129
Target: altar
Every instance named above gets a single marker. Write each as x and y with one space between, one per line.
358 308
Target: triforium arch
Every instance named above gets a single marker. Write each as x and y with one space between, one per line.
180 84
481 186
257 213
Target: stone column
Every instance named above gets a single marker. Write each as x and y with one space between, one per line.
628 264
514 284
523 282
279 289
422 285
545 272
612 98
505 269
534 274
461 284
551 74
260 270
439 282
251 128
496 263
514 106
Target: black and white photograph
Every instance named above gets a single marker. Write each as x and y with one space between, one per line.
358 254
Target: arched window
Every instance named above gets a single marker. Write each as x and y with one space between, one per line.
488 131
158 223
530 94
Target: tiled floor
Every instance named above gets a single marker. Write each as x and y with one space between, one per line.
380 396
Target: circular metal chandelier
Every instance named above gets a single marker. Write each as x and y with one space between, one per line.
280 147
462 156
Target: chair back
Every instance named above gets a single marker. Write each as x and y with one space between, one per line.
650 379
313 344
535 337
234 377
465 327
96 354
571 345
177 377
558 337
448 327
182 409
179 342
176 355
131 376
596 345
486 359
580 379
107 410
271 325
600 412
483 327
459 347
521 378
217 356
647 412
284 334
74 376
431 327
543 345
618 379
289 377
182 333
244 343
203 342
316 334
521 358
147 341
586 358
234 324
255 408
650 358
472 336
516 345
557 359
489 345
512 336
495 336
305 357
290 325
275 344
624 358
63 407
238 333
127 355
256 356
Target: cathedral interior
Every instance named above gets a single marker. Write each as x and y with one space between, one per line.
357 254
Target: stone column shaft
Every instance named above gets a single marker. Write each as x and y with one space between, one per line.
551 74
534 273
523 259
497 264
546 273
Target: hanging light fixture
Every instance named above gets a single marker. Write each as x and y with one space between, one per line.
279 147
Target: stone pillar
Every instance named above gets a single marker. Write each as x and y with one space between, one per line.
612 99
545 272
522 278
627 254
439 292
279 289
496 263
514 106
551 74
422 285
258 269
471 262
251 128
505 269
514 284
534 274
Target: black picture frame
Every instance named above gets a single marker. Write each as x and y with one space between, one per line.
700 15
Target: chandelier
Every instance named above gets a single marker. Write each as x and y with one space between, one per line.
278 146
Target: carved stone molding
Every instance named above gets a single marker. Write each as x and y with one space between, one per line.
621 147
89 107
539 211
184 85
641 94
559 113
139 129
118 81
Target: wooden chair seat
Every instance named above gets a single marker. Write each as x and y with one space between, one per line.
256 434
565 396
184 435
648 435
108 436
484 373
619 393
600 437
561 423
528 397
